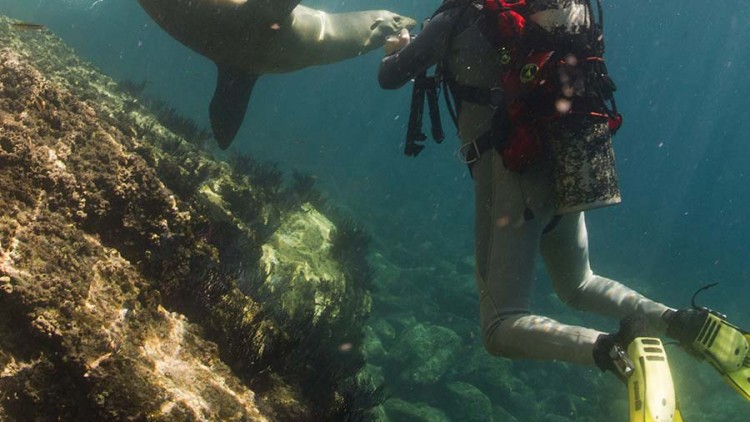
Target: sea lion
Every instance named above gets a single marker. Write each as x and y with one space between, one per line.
250 38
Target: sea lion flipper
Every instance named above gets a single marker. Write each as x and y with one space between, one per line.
229 104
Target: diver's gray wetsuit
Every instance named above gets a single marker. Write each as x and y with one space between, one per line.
506 242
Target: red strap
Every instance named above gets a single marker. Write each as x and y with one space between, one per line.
522 149
503 4
614 123
509 4
510 23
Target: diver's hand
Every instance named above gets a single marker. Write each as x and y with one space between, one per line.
395 43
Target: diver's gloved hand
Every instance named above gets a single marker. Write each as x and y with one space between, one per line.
707 335
396 43
684 325
610 350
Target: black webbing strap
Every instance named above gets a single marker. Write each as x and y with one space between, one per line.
475 150
495 137
492 97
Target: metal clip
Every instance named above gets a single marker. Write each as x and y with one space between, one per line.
465 149
622 361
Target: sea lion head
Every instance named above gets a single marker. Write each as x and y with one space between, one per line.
386 23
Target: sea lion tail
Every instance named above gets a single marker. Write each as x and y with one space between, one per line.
229 104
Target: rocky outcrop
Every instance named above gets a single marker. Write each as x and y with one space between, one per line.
134 283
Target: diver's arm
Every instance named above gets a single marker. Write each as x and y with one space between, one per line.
424 51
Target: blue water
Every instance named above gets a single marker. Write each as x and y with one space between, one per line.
682 155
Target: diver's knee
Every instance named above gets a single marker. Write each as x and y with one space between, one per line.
569 290
489 346
494 339
568 294
493 349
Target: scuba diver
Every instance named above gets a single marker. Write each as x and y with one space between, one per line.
527 87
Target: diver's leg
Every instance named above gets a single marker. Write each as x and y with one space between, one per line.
566 255
506 247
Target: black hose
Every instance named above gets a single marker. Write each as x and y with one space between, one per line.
700 290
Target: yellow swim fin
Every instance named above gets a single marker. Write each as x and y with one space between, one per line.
740 379
708 335
650 387
727 349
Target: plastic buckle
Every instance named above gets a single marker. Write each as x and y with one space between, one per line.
463 153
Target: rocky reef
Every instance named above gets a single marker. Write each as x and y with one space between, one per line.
142 279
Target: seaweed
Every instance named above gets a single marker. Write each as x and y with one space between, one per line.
165 114
268 177
133 88
249 339
300 190
350 245
265 176
243 201
174 121
148 126
324 361
358 399
303 188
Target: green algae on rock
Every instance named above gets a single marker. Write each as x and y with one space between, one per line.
299 253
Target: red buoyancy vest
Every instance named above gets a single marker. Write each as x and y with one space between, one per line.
523 145
530 76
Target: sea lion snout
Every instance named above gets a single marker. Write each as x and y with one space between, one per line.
389 23
403 22
383 25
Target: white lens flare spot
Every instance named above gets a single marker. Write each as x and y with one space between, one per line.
563 105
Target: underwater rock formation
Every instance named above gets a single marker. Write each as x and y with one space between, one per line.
295 255
426 353
467 402
401 410
123 248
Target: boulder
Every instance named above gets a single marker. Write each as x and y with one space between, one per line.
424 353
465 402
403 411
